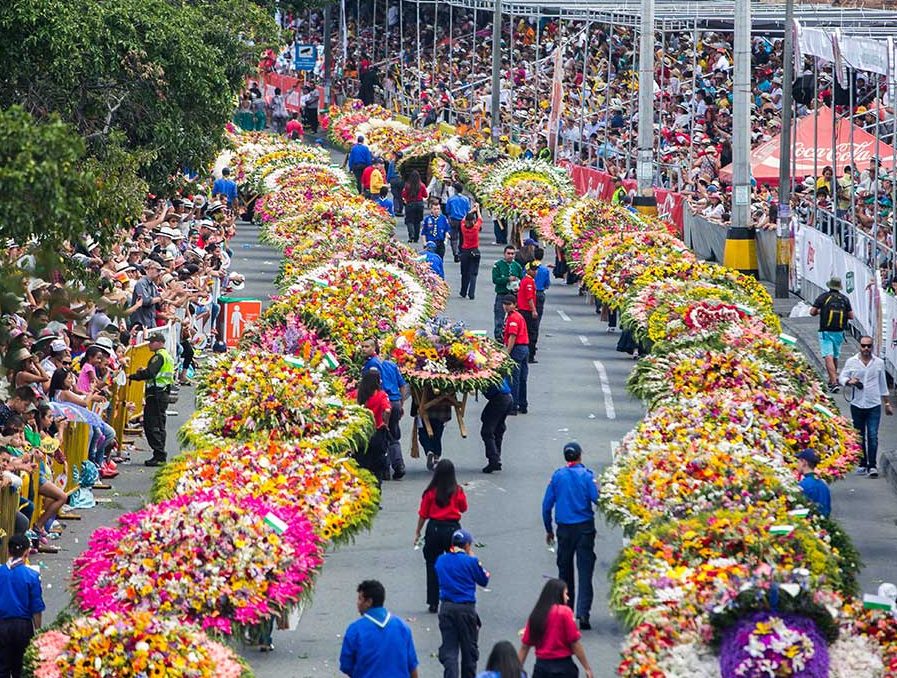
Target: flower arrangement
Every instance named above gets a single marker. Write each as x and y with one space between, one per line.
771 644
404 257
447 357
351 300
339 498
210 559
247 395
625 256
344 121
287 174
387 136
879 629
255 149
130 645
688 373
677 481
525 189
286 217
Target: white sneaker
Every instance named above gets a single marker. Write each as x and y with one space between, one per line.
873 472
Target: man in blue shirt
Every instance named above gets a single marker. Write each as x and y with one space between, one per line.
814 489
542 279
378 645
384 201
571 494
21 605
459 572
456 209
493 417
358 159
435 227
391 381
434 259
225 186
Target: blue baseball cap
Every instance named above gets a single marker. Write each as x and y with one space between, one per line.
430 245
461 538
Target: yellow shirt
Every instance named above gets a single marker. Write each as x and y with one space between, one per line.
376 182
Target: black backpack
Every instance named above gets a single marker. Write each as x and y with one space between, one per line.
833 312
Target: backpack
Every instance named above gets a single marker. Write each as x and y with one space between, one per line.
833 312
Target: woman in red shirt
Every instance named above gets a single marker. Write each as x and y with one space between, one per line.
376 400
470 252
551 629
413 196
442 504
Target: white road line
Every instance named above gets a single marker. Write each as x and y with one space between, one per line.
605 389
564 316
584 339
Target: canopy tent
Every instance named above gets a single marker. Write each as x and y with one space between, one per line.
813 144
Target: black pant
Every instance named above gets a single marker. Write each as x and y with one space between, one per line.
555 668
493 429
532 329
187 353
437 540
311 118
414 214
470 269
155 404
15 634
577 541
357 170
460 629
398 203
374 458
455 236
394 446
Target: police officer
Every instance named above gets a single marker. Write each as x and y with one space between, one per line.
21 605
572 493
159 376
459 572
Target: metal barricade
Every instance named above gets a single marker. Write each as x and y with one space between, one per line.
75 444
9 506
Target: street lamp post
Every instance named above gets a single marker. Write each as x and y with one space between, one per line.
783 230
496 69
645 159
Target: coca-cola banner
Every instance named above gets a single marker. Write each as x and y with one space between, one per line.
813 150
597 184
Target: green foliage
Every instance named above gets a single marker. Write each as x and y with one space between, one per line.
163 74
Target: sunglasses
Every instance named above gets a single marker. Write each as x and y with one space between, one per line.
66 362
865 345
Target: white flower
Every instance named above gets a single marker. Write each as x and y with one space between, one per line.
852 656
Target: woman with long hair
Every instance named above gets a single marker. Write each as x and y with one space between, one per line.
552 631
373 397
503 662
414 195
441 506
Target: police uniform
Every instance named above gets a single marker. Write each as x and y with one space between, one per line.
159 376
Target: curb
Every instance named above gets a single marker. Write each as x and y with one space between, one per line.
887 467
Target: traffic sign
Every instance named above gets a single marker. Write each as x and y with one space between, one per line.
306 57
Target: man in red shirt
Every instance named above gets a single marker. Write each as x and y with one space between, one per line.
526 302
516 341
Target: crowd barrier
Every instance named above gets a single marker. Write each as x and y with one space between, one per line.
9 504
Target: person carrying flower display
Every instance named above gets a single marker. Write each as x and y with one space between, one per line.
439 414
571 495
457 208
436 227
379 645
397 389
413 195
543 282
441 505
495 413
516 340
506 274
358 160
526 303
376 400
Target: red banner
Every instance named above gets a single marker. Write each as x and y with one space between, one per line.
598 184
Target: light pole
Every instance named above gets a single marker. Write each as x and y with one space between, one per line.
496 70
783 230
328 54
645 160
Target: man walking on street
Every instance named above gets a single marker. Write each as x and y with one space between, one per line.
358 160
506 273
159 376
571 494
21 606
459 572
543 282
499 404
833 309
379 645
456 209
863 377
516 340
526 303
391 381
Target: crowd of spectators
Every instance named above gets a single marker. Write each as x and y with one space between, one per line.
64 344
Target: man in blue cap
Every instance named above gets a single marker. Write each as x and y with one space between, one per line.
434 259
459 572
814 489
572 493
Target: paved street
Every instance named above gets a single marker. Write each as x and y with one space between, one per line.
567 401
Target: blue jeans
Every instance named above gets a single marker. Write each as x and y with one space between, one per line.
866 421
101 437
520 354
577 541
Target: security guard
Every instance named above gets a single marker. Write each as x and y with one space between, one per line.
159 376
459 572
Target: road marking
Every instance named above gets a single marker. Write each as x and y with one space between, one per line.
564 316
605 389
584 339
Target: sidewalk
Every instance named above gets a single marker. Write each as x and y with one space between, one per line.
805 329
